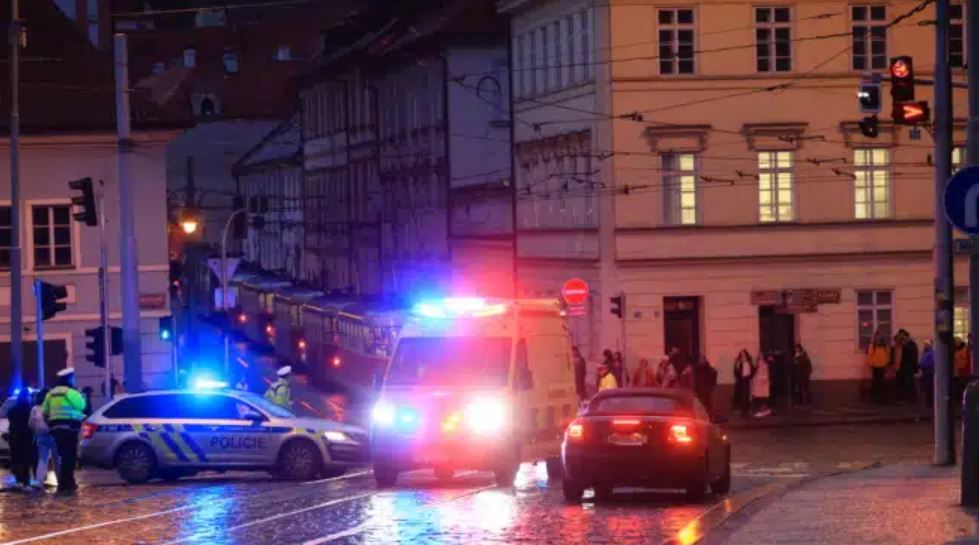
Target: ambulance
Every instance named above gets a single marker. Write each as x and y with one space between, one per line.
475 384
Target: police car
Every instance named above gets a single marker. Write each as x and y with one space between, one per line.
172 434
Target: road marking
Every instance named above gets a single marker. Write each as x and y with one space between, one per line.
363 526
159 513
323 505
340 478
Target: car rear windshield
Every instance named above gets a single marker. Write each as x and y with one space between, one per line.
451 361
638 404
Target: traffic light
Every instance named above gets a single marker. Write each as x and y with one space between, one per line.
902 79
51 297
95 343
166 328
912 113
869 126
618 305
86 212
869 96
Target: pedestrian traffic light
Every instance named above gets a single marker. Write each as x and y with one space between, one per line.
51 297
869 96
166 328
869 126
902 79
912 113
85 201
618 305
95 343
115 342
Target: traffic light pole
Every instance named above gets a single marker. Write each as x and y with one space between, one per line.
39 312
104 292
224 289
16 281
944 283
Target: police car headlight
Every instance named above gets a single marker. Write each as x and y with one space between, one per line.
337 437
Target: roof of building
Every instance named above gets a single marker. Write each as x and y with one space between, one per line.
284 143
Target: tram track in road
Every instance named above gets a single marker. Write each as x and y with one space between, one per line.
291 493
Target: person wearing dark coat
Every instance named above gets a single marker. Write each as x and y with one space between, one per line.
21 439
744 371
908 368
705 381
580 370
802 376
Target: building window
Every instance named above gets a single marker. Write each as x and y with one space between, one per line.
956 36
540 71
958 158
960 317
874 315
676 41
679 188
6 241
283 53
567 50
869 37
775 199
230 61
190 57
773 39
52 236
871 184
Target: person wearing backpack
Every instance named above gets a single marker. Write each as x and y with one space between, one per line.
46 448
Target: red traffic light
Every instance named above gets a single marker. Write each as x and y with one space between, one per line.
900 68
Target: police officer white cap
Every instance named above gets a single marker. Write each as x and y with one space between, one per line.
66 372
284 371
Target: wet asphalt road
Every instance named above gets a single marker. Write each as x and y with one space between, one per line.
257 509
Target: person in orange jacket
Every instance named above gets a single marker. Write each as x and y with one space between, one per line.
878 359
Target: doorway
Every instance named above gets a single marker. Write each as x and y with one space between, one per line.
776 330
681 326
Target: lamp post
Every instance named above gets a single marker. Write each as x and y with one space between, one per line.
224 285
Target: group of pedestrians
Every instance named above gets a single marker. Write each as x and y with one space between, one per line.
673 371
898 360
762 382
44 428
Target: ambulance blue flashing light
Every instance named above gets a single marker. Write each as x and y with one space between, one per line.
457 307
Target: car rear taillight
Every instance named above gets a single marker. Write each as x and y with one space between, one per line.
576 432
89 429
680 434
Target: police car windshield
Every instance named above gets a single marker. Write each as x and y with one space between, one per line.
451 361
268 407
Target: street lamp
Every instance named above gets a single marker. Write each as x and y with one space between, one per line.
189 226
224 283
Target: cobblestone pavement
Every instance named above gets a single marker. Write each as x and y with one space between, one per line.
257 509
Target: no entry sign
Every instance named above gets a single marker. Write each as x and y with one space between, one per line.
575 292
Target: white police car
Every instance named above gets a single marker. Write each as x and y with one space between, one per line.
171 434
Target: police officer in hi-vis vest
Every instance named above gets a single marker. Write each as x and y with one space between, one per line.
64 410
279 392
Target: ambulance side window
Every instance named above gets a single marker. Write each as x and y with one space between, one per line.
524 377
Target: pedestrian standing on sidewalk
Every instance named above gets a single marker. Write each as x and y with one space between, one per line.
802 376
878 358
906 370
580 370
619 370
606 380
705 382
761 387
644 376
21 438
963 368
666 376
43 440
744 370
926 371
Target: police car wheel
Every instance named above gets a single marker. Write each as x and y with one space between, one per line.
135 463
299 460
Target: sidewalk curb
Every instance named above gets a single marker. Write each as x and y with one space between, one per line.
760 425
717 524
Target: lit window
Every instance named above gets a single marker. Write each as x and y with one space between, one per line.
871 184
5 238
679 188
773 39
869 35
230 60
875 314
676 41
52 236
775 186
958 158
956 36
190 57
960 317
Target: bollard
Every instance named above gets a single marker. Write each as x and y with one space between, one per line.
970 444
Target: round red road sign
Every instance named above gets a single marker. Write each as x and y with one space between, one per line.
575 291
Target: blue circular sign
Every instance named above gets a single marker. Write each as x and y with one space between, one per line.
962 200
